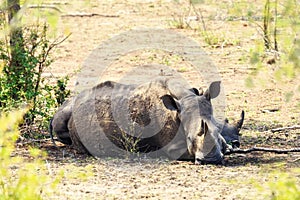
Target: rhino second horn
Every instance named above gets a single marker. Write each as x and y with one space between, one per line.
239 124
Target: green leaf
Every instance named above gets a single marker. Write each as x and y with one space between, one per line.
249 82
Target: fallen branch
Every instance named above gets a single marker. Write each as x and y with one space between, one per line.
270 110
263 149
88 15
285 128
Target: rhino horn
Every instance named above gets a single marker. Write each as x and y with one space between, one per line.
239 124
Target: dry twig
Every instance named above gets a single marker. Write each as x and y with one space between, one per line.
285 128
45 7
263 149
80 14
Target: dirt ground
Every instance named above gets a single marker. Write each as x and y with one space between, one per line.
143 178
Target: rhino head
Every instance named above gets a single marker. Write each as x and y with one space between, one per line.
204 142
231 133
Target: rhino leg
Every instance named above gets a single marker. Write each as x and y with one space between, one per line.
64 137
59 123
76 143
61 131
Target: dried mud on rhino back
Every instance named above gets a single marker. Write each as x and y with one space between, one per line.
148 124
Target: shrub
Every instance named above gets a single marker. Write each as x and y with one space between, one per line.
21 179
27 179
22 82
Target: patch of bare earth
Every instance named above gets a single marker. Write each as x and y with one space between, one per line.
146 178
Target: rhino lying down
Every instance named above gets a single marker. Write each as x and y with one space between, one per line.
158 118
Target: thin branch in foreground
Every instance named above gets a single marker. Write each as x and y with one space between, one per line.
80 14
285 128
263 149
45 7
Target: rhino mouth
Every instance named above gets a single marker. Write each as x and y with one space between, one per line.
209 162
211 158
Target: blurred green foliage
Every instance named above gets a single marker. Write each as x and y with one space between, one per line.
31 176
24 61
281 59
19 178
281 186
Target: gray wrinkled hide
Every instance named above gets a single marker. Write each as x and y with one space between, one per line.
103 119
93 119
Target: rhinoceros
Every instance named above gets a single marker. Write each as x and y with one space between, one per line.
149 115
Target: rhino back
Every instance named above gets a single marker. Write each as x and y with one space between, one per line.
110 114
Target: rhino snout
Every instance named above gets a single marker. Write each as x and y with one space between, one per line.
207 162
200 159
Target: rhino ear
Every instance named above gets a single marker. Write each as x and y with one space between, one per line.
201 92
213 91
195 91
171 103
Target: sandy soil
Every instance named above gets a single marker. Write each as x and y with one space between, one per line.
144 178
